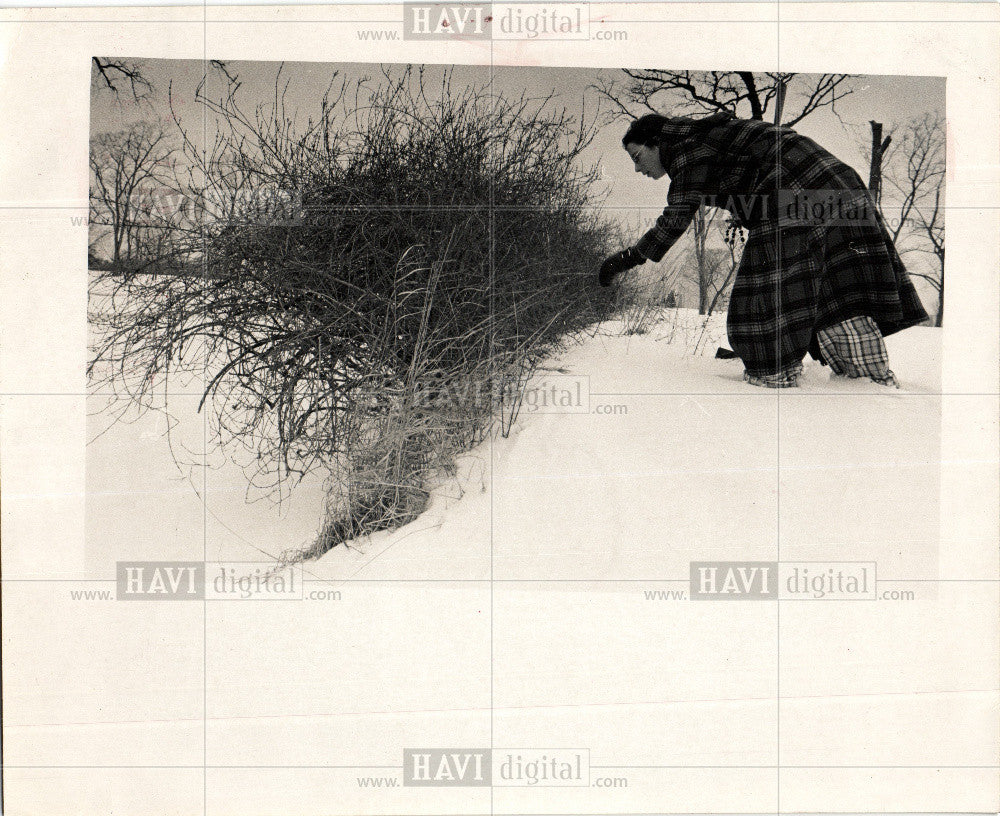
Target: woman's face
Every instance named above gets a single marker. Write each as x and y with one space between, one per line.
647 160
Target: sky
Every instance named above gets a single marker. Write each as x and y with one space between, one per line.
887 99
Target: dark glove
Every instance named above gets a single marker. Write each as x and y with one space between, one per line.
618 263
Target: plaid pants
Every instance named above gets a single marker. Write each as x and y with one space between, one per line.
854 348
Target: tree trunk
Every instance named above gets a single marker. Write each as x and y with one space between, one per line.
879 146
700 234
756 111
116 252
779 102
702 287
939 320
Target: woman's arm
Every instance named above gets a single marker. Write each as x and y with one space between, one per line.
682 203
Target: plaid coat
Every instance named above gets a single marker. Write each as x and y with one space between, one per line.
817 252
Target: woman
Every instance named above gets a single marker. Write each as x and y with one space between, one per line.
819 272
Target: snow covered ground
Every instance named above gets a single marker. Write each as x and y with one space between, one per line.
669 457
673 457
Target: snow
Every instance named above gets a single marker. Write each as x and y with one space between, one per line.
676 458
690 471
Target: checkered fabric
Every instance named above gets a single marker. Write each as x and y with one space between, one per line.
796 276
789 378
855 348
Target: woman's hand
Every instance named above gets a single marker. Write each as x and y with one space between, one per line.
618 263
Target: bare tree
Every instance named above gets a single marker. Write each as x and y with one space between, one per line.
878 150
130 174
709 269
786 96
746 93
727 265
701 224
115 75
913 175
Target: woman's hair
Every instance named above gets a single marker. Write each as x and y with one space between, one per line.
645 130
